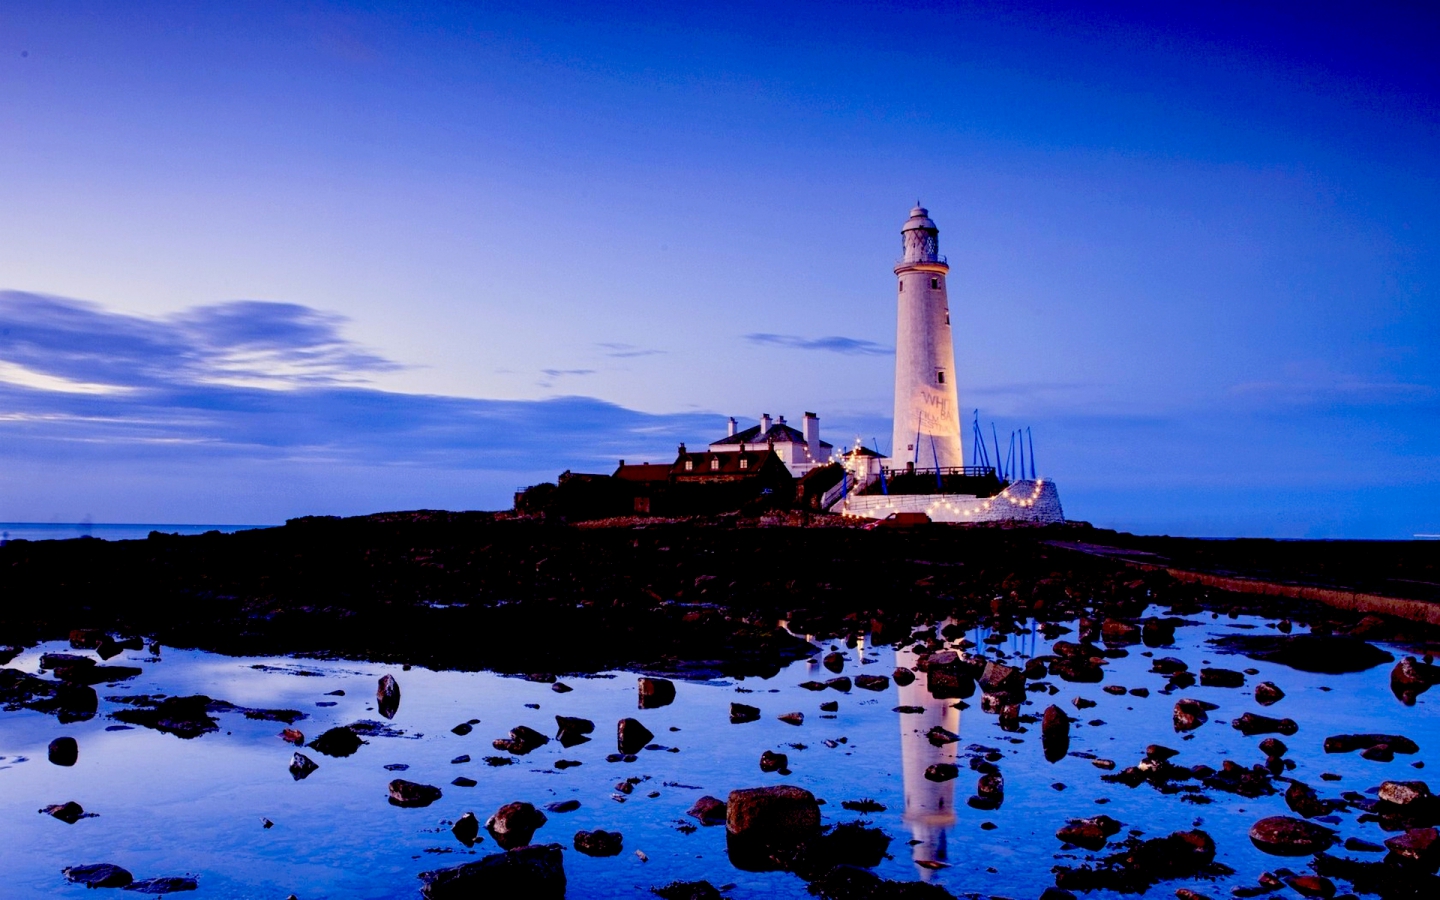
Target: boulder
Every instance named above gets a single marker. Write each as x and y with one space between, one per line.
63 751
688 890
1116 632
571 731
1168 665
841 684
412 795
184 717
293 736
514 824
387 696
563 806
1091 834
709 810
1404 793
835 662
87 638
1348 743
599 843
167 885
1077 670
1303 801
655 693
1183 854
1417 848
941 772
1190 713
631 737
526 873
69 812
1157 632
999 678
771 761
1312 886
1223 678
1287 836
764 823
338 742
1273 747
99 875
466 829
1252 724
301 766
1267 694
521 741
903 676
872 682
1055 733
740 713
793 718
1322 653
1410 678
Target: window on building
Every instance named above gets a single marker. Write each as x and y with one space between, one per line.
689 465
744 463
714 464
902 287
935 284
940 377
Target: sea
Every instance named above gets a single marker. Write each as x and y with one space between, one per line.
105 531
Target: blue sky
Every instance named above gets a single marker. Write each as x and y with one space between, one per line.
263 260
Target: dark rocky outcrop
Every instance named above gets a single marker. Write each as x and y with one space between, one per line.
1348 743
687 890
525 873
301 766
1091 834
709 810
740 713
63 751
166 885
340 741
571 730
98 875
184 717
467 829
763 826
631 737
1325 654
1184 854
1252 724
387 696
1055 733
1286 836
412 795
655 693
599 843
514 824
523 739
68 812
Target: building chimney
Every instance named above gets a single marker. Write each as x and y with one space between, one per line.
764 423
812 436
622 463
733 427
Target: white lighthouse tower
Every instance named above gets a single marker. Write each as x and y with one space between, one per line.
927 409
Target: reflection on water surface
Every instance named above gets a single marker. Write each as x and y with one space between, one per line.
167 807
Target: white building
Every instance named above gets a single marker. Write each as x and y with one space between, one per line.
927 409
801 451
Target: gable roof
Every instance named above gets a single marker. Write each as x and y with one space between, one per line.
643 472
779 433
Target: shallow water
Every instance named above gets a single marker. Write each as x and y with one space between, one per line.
105 531
168 806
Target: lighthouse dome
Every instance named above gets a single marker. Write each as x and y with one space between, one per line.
919 219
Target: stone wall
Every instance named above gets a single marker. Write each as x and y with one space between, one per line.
1023 501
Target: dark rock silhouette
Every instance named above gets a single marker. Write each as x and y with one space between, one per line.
526 873
387 696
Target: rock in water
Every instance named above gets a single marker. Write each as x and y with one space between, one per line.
1091 834
301 766
631 736
771 761
1418 848
387 696
761 823
688 890
1252 724
1404 793
572 731
64 751
173 885
1267 694
903 676
523 739
1055 733
1190 713
656 692
709 810
739 713
599 843
69 812
528 873
872 682
100 875
1225 678
1348 743
411 795
1326 654
514 824
338 742
466 829
1286 836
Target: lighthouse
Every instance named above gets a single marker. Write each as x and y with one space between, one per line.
927 409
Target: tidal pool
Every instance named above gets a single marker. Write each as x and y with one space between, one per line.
165 806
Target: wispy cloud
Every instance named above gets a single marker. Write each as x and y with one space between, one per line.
833 344
242 342
627 351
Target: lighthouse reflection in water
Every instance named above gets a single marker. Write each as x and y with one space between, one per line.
929 805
